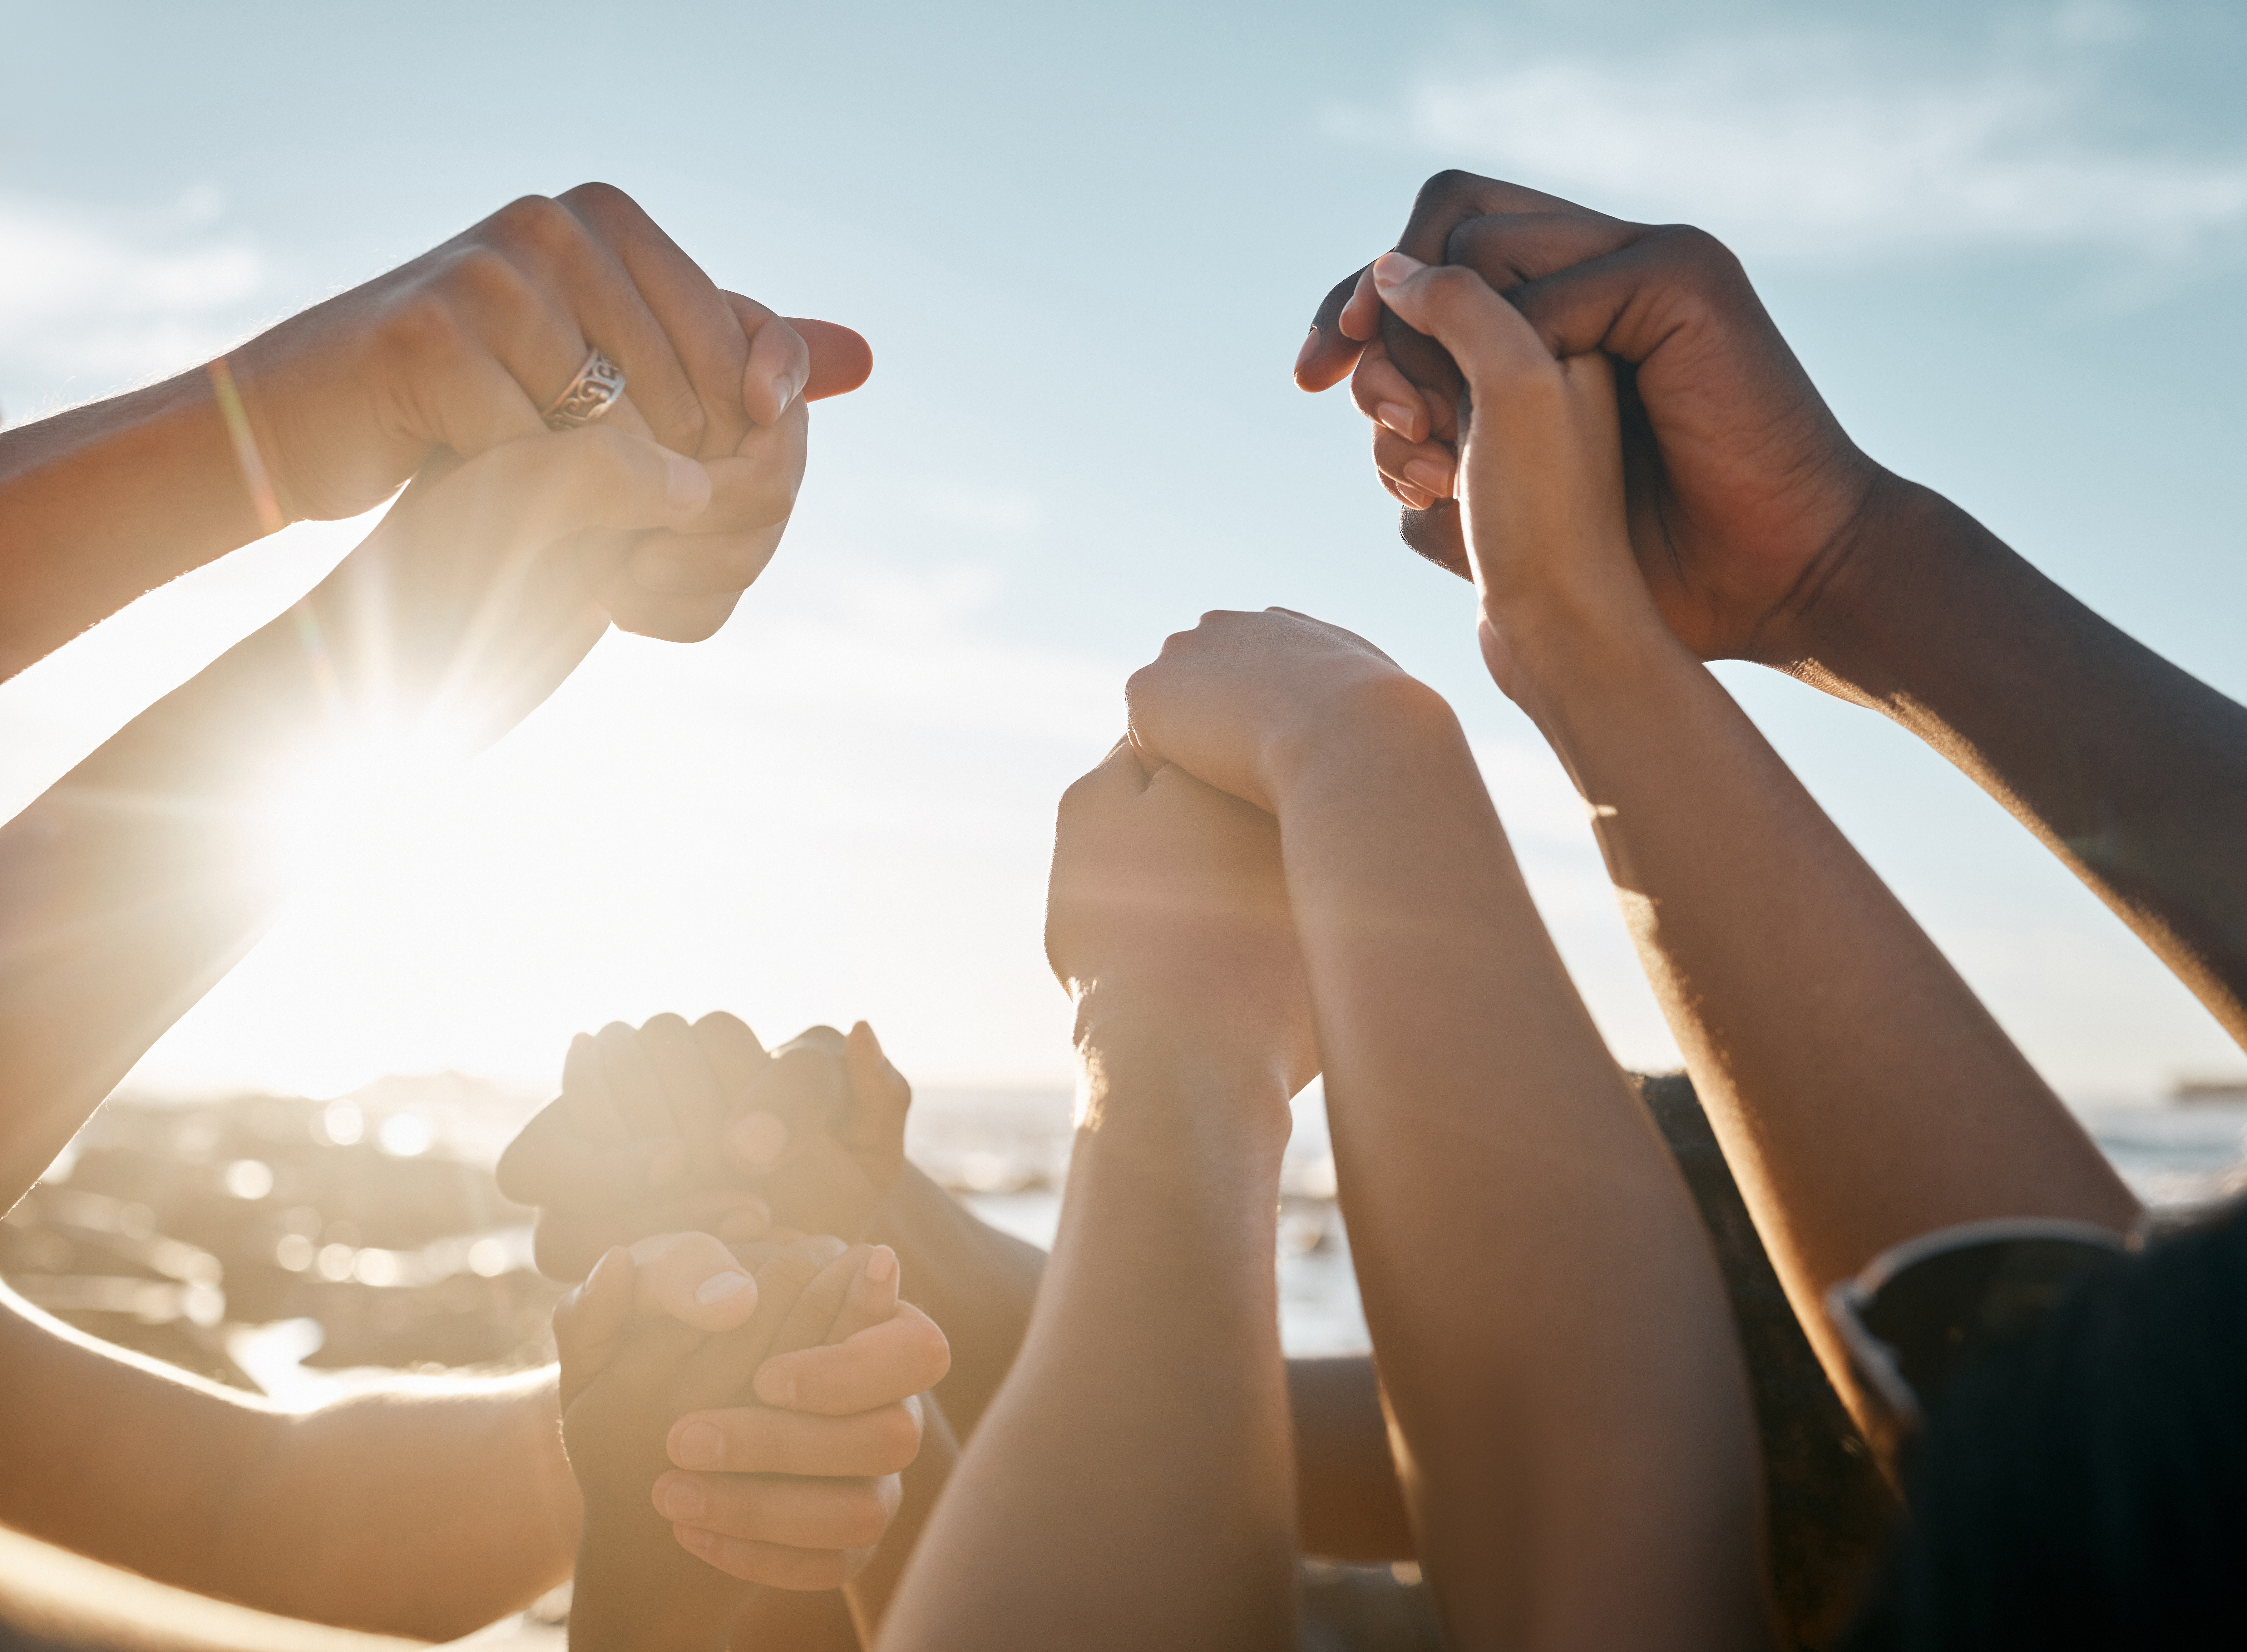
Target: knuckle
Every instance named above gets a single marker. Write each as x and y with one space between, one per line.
861 1517
1441 186
540 223
600 197
425 324
896 1439
482 273
1697 251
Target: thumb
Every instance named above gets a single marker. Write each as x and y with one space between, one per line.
1455 306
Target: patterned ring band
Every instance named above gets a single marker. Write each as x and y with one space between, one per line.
591 393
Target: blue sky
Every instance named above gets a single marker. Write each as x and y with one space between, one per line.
2009 242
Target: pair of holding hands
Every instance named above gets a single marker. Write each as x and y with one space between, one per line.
1594 421
739 1383
514 546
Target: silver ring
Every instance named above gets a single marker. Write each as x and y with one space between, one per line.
591 393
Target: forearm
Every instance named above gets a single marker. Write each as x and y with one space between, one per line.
426 1509
1142 1432
976 1282
1554 1340
2130 770
137 881
980 1284
1862 1094
106 502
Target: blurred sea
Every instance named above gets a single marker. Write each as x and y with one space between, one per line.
299 1248
286 1244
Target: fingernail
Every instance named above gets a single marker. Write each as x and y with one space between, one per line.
783 388
701 1446
1393 267
683 1500
686 483
775 1385
719 1286
1417 498
668 1165
1310 347
695 1538
1397 417
1433 477
758 1140
881 1264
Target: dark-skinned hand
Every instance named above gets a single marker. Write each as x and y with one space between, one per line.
1743 490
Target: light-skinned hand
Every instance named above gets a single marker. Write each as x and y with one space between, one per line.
1238 701
1541 484
461 350
668 1125
1167 921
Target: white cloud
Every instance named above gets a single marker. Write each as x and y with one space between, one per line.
1821 145
109 297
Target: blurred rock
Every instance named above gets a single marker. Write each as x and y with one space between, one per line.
168 1229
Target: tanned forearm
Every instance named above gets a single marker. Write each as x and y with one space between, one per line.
424 1509
2132 771
979 1285
1555 1346
1863 1095
1158 1322
106 502
137 881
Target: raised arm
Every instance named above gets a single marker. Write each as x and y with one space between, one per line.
454 352
1553 1339
1129 1487
1862 1094
1768 534
136 882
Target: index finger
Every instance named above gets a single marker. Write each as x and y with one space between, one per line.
1444 202
903 1356
707 339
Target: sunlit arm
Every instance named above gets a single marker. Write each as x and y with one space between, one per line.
1554 1342
1127 1487
140 878
424 1509
103 502
2128 768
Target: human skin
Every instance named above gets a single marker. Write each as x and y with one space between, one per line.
454 352
1765 534
1564 1389
814 1130
425 1509
1862 1095
137 881
1129 1486
418 1507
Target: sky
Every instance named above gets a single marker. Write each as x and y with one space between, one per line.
2009 242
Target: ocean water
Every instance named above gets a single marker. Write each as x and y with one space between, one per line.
1006 1155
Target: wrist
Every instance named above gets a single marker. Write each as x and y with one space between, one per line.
1126 1043
1387 709
1599 680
